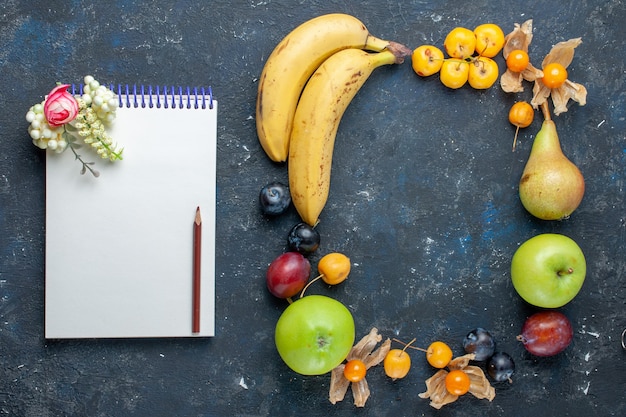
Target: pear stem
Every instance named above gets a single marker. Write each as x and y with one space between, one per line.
545 109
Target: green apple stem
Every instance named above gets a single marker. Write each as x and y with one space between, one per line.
289 300
568 271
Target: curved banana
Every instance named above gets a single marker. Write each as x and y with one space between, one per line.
322 105
291 64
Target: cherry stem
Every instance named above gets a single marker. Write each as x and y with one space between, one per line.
310 282
515 138
460 62
408 345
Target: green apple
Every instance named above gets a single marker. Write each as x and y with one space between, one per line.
548 270
314 334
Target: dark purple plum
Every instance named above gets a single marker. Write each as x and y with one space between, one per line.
479 342
500 367
274 198
303 238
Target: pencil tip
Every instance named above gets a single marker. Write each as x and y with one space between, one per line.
198 218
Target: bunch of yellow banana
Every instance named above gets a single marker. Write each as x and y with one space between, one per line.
307 83
324 100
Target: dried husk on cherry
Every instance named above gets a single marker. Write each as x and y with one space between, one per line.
520 38
364 351
562 53
479 384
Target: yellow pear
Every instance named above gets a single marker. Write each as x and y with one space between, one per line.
551 187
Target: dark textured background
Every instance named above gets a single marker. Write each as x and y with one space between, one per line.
423 200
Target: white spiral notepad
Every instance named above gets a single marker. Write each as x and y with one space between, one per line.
119 248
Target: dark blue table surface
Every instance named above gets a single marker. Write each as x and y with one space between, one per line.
423 200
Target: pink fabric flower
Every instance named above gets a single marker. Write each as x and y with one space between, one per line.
60 106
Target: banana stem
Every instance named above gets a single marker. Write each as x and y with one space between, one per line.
372 43
399 51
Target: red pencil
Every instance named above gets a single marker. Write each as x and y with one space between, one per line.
197 245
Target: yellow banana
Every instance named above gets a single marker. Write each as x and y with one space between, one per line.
291 64
320 109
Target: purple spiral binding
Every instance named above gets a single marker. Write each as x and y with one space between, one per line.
158 97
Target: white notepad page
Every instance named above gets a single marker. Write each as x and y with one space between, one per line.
119 248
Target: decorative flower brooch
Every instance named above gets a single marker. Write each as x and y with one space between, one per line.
58 122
